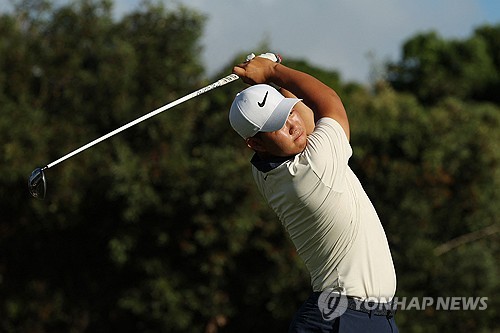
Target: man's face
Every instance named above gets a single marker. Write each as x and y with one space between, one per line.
290 140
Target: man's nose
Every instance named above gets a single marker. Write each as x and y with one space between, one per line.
290 123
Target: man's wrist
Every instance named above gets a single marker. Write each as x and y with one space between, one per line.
274 76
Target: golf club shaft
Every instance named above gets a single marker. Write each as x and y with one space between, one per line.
220 82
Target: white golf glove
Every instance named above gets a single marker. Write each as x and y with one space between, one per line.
269 55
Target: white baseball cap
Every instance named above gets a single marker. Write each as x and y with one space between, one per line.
259 108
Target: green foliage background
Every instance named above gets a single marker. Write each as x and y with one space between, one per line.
161 229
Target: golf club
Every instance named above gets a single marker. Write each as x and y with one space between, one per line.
37 183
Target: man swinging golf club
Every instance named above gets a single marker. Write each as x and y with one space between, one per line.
300 135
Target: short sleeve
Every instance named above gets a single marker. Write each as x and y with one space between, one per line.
328 152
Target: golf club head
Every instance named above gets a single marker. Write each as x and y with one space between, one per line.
37 184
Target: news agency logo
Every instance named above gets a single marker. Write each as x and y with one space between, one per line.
450 303
332 303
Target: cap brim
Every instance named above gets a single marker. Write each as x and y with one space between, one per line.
280 114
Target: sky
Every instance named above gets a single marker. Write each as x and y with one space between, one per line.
348 36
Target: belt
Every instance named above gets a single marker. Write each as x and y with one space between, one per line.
372 308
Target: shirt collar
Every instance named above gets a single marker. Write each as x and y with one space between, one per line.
269 163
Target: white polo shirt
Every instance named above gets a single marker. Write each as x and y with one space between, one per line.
329 217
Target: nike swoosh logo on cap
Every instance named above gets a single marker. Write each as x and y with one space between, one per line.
261 104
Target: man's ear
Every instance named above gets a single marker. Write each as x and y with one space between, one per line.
256 144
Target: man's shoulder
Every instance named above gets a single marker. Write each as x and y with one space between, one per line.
328 132
328 123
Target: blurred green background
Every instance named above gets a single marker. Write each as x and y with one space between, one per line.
161 229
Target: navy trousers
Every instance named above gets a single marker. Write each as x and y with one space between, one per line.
308 319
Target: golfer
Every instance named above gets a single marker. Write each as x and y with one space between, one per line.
300 135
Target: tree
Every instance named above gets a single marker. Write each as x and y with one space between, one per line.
432 174
68 75
162 229
433 68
